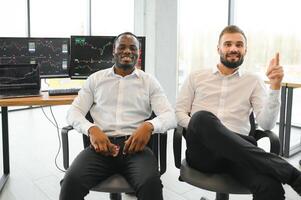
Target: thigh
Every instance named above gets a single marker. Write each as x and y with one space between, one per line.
89 168
140 167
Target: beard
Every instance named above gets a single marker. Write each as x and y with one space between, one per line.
127 66
231 64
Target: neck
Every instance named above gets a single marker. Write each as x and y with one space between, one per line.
226 70
123 72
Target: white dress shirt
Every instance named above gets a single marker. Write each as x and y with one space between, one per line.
231 98
119 104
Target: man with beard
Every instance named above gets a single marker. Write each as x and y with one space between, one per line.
219 102
120 101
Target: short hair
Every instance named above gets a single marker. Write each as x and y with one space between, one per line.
231 29
126 33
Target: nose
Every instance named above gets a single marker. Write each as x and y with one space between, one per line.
127 50
233 48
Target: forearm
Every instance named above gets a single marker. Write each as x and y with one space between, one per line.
268 116
182 118
77 119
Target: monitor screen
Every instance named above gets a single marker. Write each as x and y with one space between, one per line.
51 54
92 53
19 76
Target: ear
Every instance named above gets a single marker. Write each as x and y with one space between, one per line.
217 48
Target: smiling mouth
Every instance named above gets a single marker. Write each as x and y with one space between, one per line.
233 56
126 59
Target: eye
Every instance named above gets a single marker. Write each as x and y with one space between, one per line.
121 48
133 48
227 44
240 45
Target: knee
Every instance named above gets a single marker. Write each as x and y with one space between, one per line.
201 117
270 188
72 186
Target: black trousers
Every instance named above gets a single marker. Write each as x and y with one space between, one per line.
211 147
90 168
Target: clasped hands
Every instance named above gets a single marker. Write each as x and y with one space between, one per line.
275 73
135 143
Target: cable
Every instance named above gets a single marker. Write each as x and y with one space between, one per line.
55 124
48 118
60 143
45 81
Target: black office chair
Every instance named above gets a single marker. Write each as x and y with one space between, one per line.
220 183
117 184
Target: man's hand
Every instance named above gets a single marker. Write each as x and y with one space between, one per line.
101 143
275 73
139 139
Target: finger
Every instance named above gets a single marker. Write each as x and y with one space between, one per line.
277 59
126 145
132 148
95 147
103 148
114 150
275 75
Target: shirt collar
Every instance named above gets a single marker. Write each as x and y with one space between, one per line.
238 72
134 73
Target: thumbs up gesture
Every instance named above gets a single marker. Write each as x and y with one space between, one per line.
275 73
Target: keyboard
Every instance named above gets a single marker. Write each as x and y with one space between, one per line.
64 91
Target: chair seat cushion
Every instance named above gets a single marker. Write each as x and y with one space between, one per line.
217 182
114 184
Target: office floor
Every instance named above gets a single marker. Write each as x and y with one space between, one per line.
34 145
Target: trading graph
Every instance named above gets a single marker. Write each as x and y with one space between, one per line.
92 53
51 54
19 76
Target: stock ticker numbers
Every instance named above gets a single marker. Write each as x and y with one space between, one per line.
51 54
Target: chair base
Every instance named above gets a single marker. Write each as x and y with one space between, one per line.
219 196
222 196
115 196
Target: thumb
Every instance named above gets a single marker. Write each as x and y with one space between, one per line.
127 145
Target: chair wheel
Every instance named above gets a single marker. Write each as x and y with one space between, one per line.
204 198
115 196
299 162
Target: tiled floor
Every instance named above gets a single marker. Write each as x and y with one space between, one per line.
33 147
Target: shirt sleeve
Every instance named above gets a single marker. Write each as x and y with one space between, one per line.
266 105
165 115
76 115
184 102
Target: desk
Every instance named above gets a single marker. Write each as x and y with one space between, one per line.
43 100
285 122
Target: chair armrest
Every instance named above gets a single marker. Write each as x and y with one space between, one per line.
177 145
163 150
65 145
158 145
274 139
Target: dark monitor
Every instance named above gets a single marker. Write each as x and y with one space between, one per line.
89 54
51 54
19 76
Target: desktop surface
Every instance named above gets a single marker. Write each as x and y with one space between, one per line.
43 100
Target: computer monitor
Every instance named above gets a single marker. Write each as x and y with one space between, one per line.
51 54
19 76
89 54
